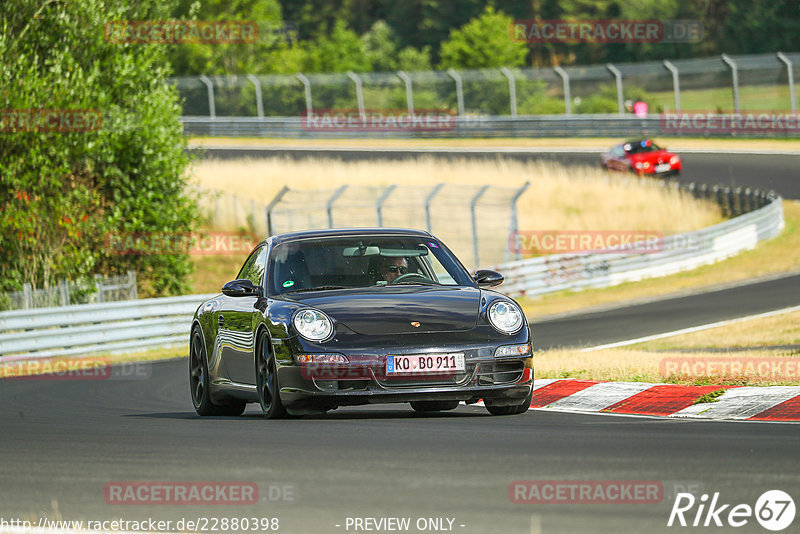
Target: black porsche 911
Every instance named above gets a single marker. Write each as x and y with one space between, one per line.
327 318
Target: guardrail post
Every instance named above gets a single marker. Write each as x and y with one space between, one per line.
565 80
359 92
513 223
409 91
212 110
271 206
428 201
307 88
512 89
329 206
472 204
459 91
790 74
620 98
676 83
735 78
379 205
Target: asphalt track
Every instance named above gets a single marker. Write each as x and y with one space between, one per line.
62 441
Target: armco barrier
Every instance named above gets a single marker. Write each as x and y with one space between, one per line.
110 327
557 272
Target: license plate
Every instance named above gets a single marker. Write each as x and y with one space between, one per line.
664 167
425 363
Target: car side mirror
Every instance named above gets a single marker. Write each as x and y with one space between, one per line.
487 278
241 287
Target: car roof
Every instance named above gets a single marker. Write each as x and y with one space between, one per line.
348 232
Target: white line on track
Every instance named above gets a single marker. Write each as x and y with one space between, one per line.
692 329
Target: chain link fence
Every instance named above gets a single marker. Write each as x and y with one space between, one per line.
466 217
100 289
721 84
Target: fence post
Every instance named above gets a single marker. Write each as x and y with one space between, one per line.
790 73
133 294
64 292
472 204
271 206
307 87
329 206
676 83
259 102
565 79
513 223
98 283
512 89
409 91
428 201
381 200
459 91
27 296
735 77
212 110
359 93
620 98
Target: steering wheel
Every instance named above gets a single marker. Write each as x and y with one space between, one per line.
404 277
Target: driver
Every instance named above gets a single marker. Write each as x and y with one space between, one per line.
390 268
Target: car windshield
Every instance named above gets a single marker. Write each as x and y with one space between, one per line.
641 146
362 261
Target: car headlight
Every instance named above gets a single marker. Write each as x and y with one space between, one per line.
674 160
313 325
505 316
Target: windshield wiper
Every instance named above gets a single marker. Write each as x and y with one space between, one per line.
417 283
318 288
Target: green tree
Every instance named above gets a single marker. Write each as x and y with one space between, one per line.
65 189
481 43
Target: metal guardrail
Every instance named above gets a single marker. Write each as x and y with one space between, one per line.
605 125
110 327
152 323
557 272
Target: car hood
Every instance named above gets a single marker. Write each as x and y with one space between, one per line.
660 156
394 309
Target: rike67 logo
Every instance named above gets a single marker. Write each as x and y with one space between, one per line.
774 510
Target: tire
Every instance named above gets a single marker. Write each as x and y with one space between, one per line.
514 409
434 406
199 383
267 381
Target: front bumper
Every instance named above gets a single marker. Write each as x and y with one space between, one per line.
504 381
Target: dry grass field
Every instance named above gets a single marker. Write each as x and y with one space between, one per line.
558 199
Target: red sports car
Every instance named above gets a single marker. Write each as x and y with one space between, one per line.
642 157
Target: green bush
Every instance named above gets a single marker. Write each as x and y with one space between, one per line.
64 192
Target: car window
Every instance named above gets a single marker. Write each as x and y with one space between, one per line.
253 269
362 261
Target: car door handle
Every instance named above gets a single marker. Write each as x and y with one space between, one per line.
221 320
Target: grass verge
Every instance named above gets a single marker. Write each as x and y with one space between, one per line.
759 352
